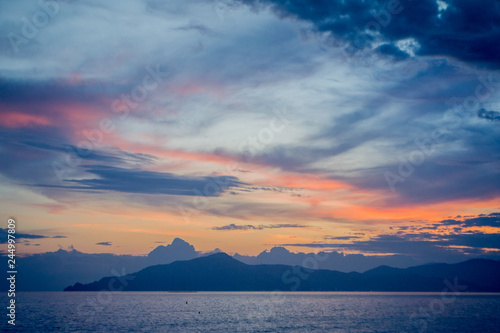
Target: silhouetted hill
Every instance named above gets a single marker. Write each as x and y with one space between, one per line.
51 271
220 272
481 271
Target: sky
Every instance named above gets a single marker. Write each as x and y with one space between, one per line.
358 126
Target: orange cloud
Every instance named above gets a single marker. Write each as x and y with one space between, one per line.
309 182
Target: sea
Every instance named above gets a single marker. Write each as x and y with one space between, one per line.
254 312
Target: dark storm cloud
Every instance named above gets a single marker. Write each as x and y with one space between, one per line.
121 171
148 182
257 227
19 157
466 30
109 156
489 115
391 50
33 154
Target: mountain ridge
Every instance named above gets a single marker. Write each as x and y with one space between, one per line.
221 272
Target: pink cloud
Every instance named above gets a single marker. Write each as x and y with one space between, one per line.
18 120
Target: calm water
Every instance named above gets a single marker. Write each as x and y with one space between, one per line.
255 312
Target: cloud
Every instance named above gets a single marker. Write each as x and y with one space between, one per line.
464 30
490 220
104 243
55 161
342 237
370 121
177 250
488 115
22 91
112 168
423 246
391 50
149 182
351 123
202 29
4 232
112 155
257 227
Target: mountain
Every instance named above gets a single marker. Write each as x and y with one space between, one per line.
220 272
480 271
52 271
